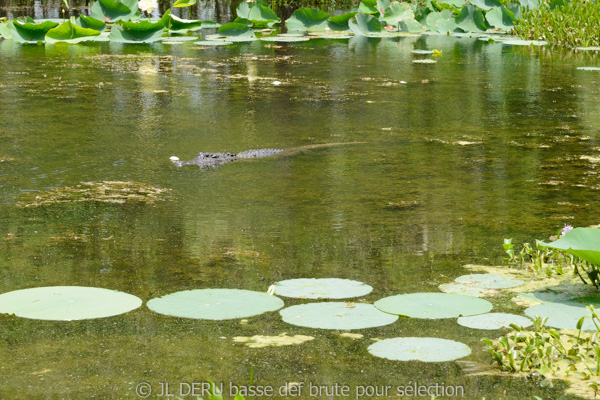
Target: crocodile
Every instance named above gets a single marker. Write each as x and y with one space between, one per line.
212 160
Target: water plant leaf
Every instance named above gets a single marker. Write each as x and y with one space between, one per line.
112 10
179 25
136 32
213 43
336 315
382 5
519 42
340 22
566 314
581 242
453 3
501 17
258 12
424 349
397 12
471 19
6 30
90 23
215 304
459 288
489 281
307 19
184 3
433 305
441 22
31 32
323 288
486 4
67 303
411 25
588 68
368 7
493 321
364 24
235 29
70 32
531 4
284 39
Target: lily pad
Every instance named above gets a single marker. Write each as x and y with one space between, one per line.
588 68
489 281
422 51
433 305
471 19
31 32
90 23
424 61
364 24
179 25
459 288
70 32
136 32
284 39
419 348
258 12
340 22
368 7
112 10
235 29
566 314
336 315
486 4
501 17
581 242
67 303
493 321
213 43
397 12
307 19
519 42
324 288
441 22
215 304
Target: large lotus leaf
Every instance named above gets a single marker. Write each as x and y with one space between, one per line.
257 11
70 32
501 17
90 23
446 23
6 30
340 22
215 304
179 25
136 32
411 25
364 24
324 288
531 4
112 10
489 281
493 321
566 314
235 29
420 349
368 7
471 19
67 303
382 5
307 19
30 32
433 305
486 4
453 3
397 12
581 242
336 315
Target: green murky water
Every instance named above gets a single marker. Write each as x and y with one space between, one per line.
492 141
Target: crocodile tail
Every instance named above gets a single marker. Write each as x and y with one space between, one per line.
259 153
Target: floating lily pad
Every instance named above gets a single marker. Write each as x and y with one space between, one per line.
333 36
213 43
176 24
519 42
420 349
588 68
566 314
433 305
179 38
284 39
493 321
422 51
424 61
591 48
241 39
459 288
324 288
67 303
489 281
136 32
215 304
70 32
336 315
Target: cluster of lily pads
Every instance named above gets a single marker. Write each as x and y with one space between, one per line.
373 18
75 303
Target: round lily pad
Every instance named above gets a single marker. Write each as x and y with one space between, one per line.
459 288
215 304
336 315
588 68
433 305
422 51
284 39
324 288
67 303
419 348
489 281
519 42
240 39
212 43
566 314
591 48
424 61
493 321
180 38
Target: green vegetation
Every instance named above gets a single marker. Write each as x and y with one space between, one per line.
573 24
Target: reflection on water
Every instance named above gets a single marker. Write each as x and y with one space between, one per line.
491 142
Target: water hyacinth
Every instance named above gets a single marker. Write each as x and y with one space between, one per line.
565 230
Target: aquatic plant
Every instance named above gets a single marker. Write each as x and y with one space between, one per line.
571 23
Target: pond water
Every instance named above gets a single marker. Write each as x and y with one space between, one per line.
445 160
